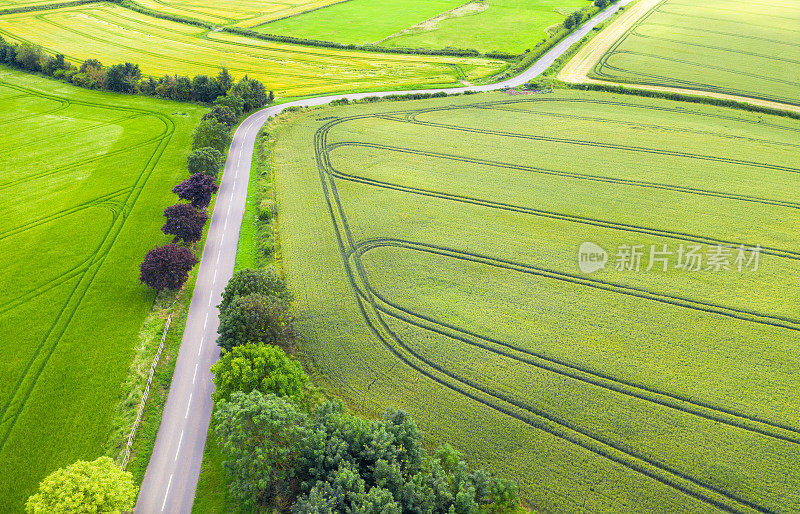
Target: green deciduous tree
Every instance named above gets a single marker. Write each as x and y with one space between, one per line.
258 367
85 487
211 134
255 318
262 437
205 160
254 281
30 56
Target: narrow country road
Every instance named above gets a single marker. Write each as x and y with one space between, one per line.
171 478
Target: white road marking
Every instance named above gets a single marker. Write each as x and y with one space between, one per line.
211 293
198 350
167 493
195 368
213 282
219 253
179 446
226 224
229 209
190 400
221 239
205 322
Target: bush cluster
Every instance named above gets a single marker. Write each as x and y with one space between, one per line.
285 450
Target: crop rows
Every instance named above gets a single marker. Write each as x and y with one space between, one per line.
736 48
375 308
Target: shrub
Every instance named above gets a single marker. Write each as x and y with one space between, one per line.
205 160
167 267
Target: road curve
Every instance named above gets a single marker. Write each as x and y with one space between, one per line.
171 479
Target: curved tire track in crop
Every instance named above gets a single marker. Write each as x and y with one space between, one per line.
374 306
14 405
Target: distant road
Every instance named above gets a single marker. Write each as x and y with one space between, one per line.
171 479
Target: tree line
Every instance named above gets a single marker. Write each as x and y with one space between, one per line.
290 449
247 94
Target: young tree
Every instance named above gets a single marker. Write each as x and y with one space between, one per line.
167 267
96 486
197 189
258 367
123 78
184 222
255 318
262 437
205 160
213 134
253 281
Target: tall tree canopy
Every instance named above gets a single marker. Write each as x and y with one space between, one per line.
261 367
167 267
197 189
184 222
255 318
254 281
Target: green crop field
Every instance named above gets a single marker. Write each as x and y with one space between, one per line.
85 177
242 13
433 249
510 26
113 35
741 48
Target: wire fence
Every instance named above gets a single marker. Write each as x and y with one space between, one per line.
146 393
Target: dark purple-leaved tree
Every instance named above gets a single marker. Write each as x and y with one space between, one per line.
184 222
197 189
167 267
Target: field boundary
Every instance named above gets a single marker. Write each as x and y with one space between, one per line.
146 393
576 72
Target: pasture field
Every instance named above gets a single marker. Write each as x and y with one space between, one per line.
113 35
242 13
509 26
741 48
433 250
85 177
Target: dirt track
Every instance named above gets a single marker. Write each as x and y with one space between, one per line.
576 71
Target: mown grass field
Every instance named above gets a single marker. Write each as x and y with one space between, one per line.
433 250
242 13
113 35
741 48
509 26
85 177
